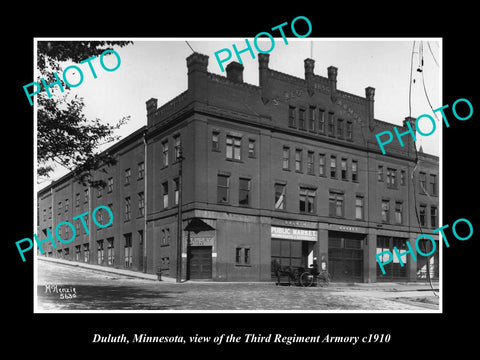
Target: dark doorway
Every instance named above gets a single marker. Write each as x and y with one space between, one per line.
345 256
200 262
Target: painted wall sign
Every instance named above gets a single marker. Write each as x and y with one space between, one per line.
293 234
201 240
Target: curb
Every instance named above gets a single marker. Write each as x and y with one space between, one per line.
109 270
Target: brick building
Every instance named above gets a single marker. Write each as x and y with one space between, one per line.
289 170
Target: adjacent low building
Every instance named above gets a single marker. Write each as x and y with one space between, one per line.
286 171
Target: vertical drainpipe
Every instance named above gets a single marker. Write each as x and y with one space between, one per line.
145 177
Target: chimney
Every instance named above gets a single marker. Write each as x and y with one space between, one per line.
235 72
263 68
412 121
197 76
263 77
370 96
151 108
332 78
309 65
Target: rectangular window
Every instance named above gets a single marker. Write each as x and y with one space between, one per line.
344 168
66 205
386 211
44 214
359 208
177 140
433 216
398 212
244 192
321 164
110 251
78 249
127 176
433 184
77 199
140 237
85 196
391 178
215 141
298 160
280 196
223 184
349 131
128 250
340 128
333 166
165 153
311 118
59 208
336 204
128 209
165 194
310 163
242 256
423 182
331 125
86 253
354 170
291 116
176 190
234 146
141 203
286 158
100 252
307 200
49 212
251 148
110 185
321 122
141 170
301 119
423 215
402 177
380 173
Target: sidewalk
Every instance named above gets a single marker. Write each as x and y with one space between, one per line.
106 269
339 286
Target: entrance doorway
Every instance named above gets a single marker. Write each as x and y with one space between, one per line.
199 262
345 256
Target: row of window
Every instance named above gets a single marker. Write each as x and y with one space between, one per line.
391 180
177 150
345 173
319 122
432 187
105 250
391 177
306 200
233 146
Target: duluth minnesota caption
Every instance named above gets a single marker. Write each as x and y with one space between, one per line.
247 338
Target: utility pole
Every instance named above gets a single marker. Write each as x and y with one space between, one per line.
179 222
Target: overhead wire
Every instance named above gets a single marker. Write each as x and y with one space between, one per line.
427 265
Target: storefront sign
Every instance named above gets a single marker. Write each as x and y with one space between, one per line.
293 234
201 240
346 228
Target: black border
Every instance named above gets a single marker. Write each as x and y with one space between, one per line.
412 334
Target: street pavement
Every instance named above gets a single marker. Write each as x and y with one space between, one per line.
63 287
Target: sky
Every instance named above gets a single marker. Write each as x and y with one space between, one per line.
156 68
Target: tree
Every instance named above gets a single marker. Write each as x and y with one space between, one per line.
64 134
